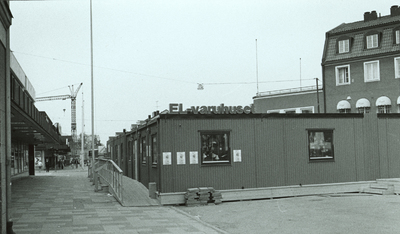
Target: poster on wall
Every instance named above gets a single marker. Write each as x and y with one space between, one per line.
180 158
194 159
167 158
237 155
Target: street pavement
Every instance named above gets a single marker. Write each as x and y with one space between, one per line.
64 201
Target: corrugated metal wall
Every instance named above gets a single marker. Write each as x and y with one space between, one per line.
182 135
275 151
389 146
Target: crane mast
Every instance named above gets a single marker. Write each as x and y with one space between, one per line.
73 111
72 96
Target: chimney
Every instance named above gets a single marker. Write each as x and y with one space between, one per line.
394 10
368 16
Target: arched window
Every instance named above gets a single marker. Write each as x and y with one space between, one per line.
363 105
383 104
343 107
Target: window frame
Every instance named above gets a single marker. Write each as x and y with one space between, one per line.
384 109
314 155
363 110
343 46
337 69
205 146
375 40
396 67
396 35
154 149
143 150
366 74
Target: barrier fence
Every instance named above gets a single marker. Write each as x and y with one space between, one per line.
108 173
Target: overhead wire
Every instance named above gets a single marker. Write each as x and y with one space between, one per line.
154 76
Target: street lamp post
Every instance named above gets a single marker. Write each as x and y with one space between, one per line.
92 89
316 79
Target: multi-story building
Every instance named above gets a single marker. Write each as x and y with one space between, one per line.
306 99
5 116
361 65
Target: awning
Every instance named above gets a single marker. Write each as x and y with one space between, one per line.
383 101
343 105
363 102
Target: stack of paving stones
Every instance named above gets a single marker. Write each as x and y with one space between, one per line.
215 196
202 196
191 197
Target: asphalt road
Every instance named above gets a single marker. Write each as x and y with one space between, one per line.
346 213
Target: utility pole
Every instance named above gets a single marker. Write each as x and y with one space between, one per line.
92 91
83 134
257 67
316 79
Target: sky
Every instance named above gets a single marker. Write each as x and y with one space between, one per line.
150 53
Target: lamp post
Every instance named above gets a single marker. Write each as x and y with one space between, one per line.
92 90
316 79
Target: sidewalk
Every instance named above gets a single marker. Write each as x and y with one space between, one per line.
64 201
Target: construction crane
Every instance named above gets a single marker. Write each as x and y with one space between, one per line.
71 96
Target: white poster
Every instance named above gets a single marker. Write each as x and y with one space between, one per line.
194 159
237 155
180 158
167 160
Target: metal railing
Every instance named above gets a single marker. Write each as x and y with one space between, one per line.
292 90
107 172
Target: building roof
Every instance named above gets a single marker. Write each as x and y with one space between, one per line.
361 25
355 31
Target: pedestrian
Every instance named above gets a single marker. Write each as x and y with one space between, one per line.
40 164
47 164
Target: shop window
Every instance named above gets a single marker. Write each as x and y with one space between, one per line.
398 104
343 107
384 109
342 75
320 144
363 110
363 106
371 71
383 104
215 148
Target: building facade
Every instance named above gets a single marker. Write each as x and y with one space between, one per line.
239 151
290 101
361 65
5 114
